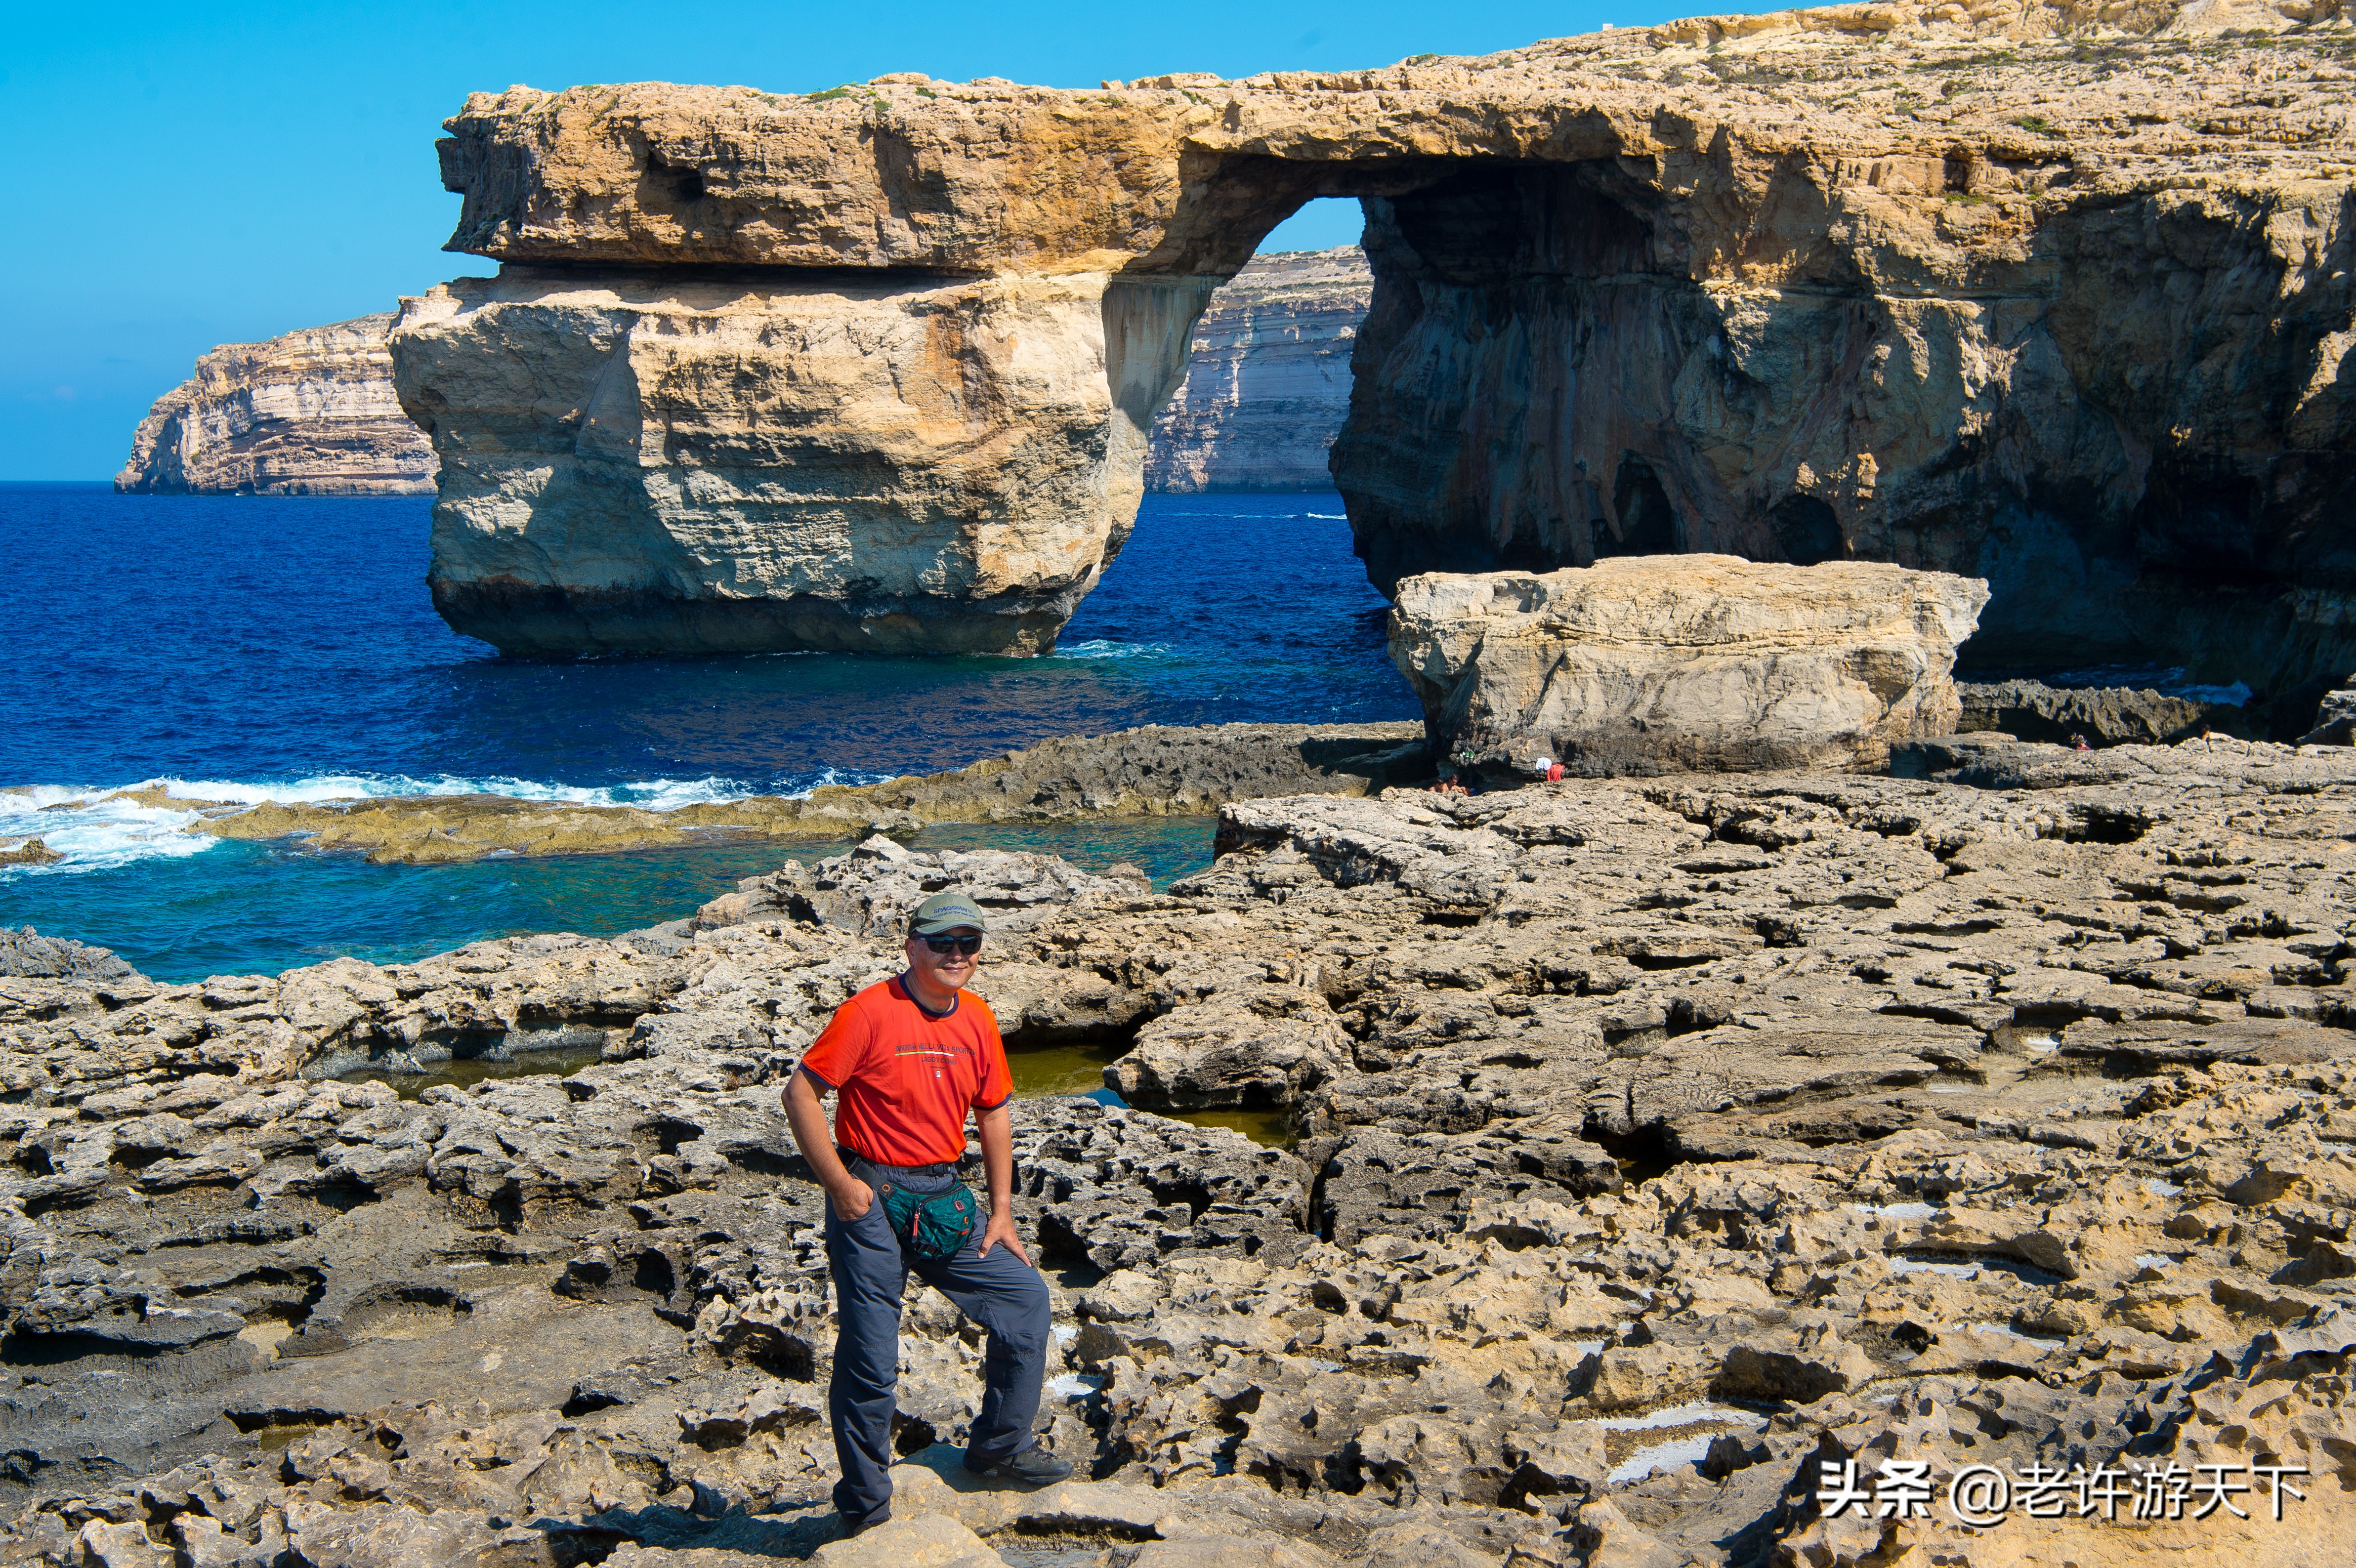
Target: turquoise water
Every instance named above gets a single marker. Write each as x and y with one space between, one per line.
250 649
239 908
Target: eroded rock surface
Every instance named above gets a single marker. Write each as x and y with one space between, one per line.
314 412
1660 662
2055 296
2102 716
878 463
308 413
1660 1142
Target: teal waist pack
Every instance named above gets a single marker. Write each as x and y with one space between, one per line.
932 1225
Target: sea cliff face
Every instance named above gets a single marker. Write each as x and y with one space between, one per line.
1267 378
2126 406
309 413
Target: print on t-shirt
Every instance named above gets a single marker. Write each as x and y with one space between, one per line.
906 1102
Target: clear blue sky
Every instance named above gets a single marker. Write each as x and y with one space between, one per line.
188 174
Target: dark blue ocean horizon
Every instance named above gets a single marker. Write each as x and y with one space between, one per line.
250 649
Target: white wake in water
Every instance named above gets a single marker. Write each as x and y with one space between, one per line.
98 829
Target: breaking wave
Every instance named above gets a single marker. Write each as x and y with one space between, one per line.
92 830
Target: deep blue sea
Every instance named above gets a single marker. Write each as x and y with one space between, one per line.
247 650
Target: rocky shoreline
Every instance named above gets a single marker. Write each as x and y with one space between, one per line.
1152 771
1656 1142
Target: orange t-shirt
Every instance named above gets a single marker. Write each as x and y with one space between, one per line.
905 1079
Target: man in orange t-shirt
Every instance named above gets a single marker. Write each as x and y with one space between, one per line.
907 1059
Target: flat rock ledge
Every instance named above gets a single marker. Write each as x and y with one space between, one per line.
1153 771
1657 1142
1655 663
2102 716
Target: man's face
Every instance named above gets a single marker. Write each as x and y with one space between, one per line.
952 969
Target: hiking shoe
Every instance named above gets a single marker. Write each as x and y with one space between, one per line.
1034 1466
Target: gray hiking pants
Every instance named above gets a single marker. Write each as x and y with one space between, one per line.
1001 1292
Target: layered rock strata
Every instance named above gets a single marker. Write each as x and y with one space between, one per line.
309 413
1659 663
1153 771
2053 298
683 462
314 412
1267 378
1661 1142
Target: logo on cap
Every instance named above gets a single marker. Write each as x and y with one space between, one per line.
945 911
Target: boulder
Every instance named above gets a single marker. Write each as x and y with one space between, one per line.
1647 665
1257 1045
27 953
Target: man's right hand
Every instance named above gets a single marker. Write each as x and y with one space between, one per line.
851 1200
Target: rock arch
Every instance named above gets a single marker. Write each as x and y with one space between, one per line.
873 367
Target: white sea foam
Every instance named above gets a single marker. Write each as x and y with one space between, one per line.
652 794
95 829
92 833
1100 648
1328 517
826 776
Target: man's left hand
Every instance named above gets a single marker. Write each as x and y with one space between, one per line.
1001 1229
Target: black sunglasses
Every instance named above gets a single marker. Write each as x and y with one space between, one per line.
969 946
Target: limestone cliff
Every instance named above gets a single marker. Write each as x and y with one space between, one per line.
309 413
871 462
313 412
2054 296
1267 378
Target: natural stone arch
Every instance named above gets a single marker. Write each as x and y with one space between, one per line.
1622 301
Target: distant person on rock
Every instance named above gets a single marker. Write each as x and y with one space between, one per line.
908 1058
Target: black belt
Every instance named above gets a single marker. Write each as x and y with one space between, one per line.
921 1172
